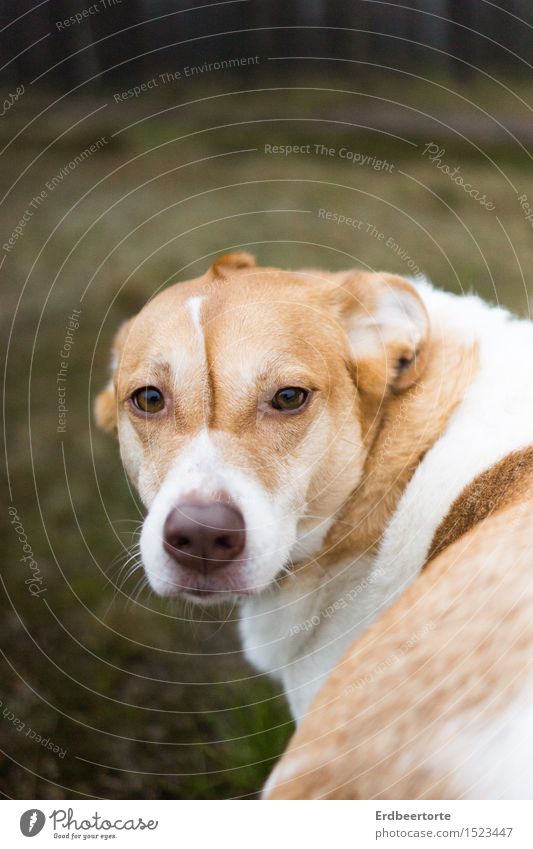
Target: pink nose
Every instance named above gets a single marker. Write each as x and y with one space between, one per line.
204 536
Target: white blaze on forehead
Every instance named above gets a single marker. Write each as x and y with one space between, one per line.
194 308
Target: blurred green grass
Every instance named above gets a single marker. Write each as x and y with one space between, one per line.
147 702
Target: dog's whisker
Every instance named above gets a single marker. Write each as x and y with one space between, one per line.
124 521
133 598
124 555
126 572
133 569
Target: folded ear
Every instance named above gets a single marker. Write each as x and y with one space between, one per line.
388 329
105 414
105 405
226 265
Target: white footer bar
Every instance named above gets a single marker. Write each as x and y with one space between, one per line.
266 825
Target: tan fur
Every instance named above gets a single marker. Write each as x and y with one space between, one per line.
432 661
356 397
237 310
400 443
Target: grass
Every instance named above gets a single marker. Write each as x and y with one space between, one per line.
151 699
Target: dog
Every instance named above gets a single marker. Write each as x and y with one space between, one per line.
301 440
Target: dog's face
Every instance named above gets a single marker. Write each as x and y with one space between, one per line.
243 401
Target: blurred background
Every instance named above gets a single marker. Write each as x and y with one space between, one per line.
139 140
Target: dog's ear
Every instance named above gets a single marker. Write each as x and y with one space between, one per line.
225 265
388 329
105 405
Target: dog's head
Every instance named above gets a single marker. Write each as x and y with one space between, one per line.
244 402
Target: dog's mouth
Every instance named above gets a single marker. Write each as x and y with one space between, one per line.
206 594
229 582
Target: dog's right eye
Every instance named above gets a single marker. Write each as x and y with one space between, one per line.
289 399
148 399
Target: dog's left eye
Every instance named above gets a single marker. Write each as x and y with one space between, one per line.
148 399
289 399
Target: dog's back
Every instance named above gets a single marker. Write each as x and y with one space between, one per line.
434 700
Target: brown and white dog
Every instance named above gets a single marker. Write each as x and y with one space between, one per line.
305 442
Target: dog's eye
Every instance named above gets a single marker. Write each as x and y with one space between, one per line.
148 399
289 399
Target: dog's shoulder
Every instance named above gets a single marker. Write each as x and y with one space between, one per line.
433 700
504 483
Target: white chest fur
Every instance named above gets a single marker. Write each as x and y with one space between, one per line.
297 634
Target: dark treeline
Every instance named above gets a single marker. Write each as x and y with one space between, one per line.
63 43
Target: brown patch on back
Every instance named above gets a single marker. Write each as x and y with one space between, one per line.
505 482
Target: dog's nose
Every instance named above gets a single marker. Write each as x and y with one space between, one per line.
204 536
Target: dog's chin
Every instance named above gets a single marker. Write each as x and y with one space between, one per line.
231 583
211 598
